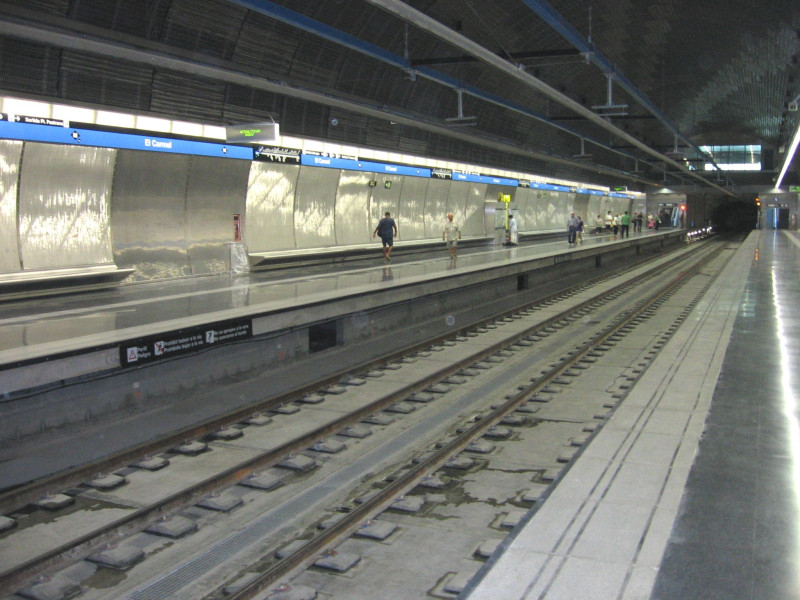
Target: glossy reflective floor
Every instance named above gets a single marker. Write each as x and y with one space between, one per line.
77 321
737 536
690 490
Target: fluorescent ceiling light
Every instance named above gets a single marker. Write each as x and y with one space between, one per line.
789 156
73 113
184 128
115 119
29 108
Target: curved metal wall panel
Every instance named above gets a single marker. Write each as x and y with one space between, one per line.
385 199
457 198
558 206
410 216
351 215
538 210
581 206
314 207
525 206
216 190
436 207
148 214
596 208
622 204
64 196
270 207
10 153
474 209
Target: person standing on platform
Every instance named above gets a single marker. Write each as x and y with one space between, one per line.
598 225
513 230
386 229
572 229
580 230
615 221
609 221
639 219
451 234
625 224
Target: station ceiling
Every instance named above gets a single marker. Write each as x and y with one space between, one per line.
614 92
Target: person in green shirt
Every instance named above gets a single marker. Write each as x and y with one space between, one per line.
625 224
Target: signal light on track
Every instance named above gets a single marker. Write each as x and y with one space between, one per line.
758 201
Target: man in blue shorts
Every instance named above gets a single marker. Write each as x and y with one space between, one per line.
386 229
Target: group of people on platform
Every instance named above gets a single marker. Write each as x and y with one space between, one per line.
387 230
618 224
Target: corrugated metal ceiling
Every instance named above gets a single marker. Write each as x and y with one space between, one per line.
718 73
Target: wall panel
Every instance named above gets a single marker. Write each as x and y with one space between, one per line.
10 153
581 206
597 208
314 225
148 214
383 200
410 212
525 207
352 208
559 205
270 207
64 198
436 207
457 198
216 190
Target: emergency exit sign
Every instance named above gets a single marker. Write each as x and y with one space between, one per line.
794 188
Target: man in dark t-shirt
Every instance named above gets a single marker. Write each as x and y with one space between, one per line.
386 229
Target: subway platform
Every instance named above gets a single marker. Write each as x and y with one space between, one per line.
55 338
691 489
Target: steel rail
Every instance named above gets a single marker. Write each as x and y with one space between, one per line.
140 518
309 552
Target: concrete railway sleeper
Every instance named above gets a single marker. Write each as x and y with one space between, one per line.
317 434
419 476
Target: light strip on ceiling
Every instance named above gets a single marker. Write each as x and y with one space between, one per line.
789 156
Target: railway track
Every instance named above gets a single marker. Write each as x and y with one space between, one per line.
298 459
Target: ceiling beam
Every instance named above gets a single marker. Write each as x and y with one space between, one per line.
553 18
466 58
52 35
425 23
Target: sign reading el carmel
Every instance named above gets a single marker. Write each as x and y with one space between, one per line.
252 133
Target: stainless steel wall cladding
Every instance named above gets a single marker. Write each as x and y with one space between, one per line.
10 153
457 199
562 206
270 207
149 214
215 191
581 205
436 207
385 199
410 213
351 216
64 196
597 206
314 225
524 205
473 209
